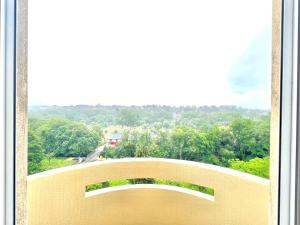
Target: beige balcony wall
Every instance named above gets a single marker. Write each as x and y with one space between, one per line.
58 197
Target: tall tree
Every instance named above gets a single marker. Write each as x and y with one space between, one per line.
35 152
66 138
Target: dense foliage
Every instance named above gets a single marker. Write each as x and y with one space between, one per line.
226 136
243 139
256 166
59 138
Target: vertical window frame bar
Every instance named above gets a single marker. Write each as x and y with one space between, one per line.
288 119
8 59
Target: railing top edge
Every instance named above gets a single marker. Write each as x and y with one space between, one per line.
222 170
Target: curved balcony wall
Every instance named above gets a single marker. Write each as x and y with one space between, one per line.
58 197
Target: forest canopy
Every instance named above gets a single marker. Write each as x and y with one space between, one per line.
227 136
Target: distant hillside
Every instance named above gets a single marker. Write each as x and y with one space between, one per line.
153 115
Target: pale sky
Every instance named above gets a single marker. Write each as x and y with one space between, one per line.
138 52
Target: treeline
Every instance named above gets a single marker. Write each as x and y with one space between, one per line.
59 138
161 116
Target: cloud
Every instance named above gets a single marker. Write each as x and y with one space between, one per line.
252 71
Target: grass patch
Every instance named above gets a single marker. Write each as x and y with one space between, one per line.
53 163
121 182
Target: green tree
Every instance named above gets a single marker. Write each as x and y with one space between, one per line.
143 145
66 138
257 166
35 152
250 138
220 142
183 138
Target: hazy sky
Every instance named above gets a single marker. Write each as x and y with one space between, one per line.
137 52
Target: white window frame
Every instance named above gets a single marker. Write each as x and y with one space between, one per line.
8 35
13 61
288 208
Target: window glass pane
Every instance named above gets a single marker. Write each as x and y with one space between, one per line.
178 90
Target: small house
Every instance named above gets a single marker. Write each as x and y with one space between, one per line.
114 138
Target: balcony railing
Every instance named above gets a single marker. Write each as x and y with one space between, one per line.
58 197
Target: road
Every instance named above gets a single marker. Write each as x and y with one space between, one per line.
94 156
